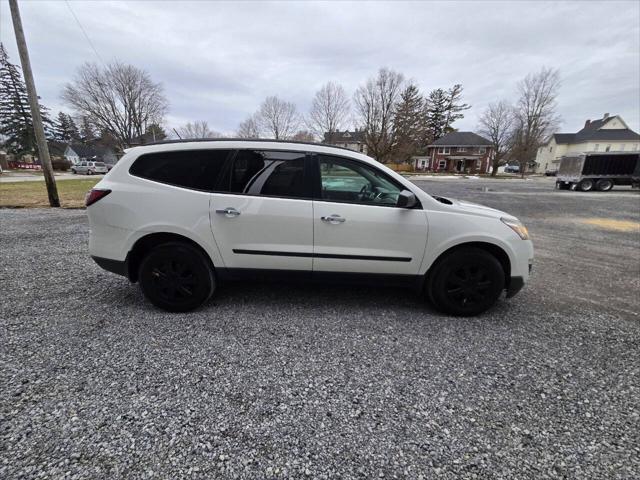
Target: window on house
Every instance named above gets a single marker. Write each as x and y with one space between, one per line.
482 150
444 150
462 149
608 148
442 164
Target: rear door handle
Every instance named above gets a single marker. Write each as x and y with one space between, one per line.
335 219
229 212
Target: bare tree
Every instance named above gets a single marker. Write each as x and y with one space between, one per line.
118 98
278 118
197 129
249 128
496 123
303 136
375 104
330 110
535 114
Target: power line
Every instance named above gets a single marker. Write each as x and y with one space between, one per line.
84 32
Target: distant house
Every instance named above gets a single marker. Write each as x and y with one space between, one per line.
57 149
77 152
351 140
608 134
457 152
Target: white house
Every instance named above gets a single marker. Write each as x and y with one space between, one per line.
77 152
608 134
351 140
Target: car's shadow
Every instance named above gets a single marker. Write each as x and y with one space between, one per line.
307 299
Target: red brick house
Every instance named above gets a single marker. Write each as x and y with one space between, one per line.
458 152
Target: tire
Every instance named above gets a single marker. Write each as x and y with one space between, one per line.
89 172
586 185
604 185
176 277
467 282
73 171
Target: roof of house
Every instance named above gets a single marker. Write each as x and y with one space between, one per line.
57 148
463 139
344 137
593 131
88 151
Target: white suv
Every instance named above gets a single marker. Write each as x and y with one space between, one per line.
180 217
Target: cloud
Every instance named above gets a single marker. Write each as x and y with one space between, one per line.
218 61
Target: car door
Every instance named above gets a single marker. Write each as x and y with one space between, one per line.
261 217
357 226
82 167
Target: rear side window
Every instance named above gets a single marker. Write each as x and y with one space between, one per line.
269 173
195 169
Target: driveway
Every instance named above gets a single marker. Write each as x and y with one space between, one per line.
298 381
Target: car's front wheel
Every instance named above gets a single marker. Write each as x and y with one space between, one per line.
176 277
466 282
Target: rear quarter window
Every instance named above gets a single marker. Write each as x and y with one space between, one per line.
194 169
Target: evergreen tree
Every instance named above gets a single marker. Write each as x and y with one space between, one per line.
436 113
16 124
455 106
410 123
87 130
65 129
443 109
155 133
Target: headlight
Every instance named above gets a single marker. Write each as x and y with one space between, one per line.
517 227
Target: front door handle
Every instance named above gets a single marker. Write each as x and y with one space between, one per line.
229 212
334 219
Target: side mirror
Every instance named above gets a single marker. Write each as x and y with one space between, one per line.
406 199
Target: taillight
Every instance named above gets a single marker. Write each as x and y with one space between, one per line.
94 195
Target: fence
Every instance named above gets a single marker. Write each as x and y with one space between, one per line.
25 165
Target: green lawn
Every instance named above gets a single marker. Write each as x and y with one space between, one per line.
34 194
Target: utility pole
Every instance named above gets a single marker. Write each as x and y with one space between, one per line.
43 148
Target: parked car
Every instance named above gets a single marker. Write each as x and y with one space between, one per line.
550 173
89 168
184 216
512 169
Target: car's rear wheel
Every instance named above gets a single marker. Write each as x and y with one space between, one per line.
176 277
586 185
604 185
466 282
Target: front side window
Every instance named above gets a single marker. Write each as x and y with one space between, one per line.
195 169
349 181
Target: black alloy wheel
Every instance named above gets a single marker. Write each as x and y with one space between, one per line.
466 282
176 277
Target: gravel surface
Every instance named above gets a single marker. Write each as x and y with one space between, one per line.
291 381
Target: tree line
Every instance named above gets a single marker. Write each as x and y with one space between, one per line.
397 121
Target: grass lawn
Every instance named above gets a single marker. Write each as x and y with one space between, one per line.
34 194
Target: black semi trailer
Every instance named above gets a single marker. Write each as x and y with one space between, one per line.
598 171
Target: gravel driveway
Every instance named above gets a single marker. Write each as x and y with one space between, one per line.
294 381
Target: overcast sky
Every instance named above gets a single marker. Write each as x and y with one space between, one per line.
218 61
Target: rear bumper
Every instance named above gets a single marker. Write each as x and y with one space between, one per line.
114 266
